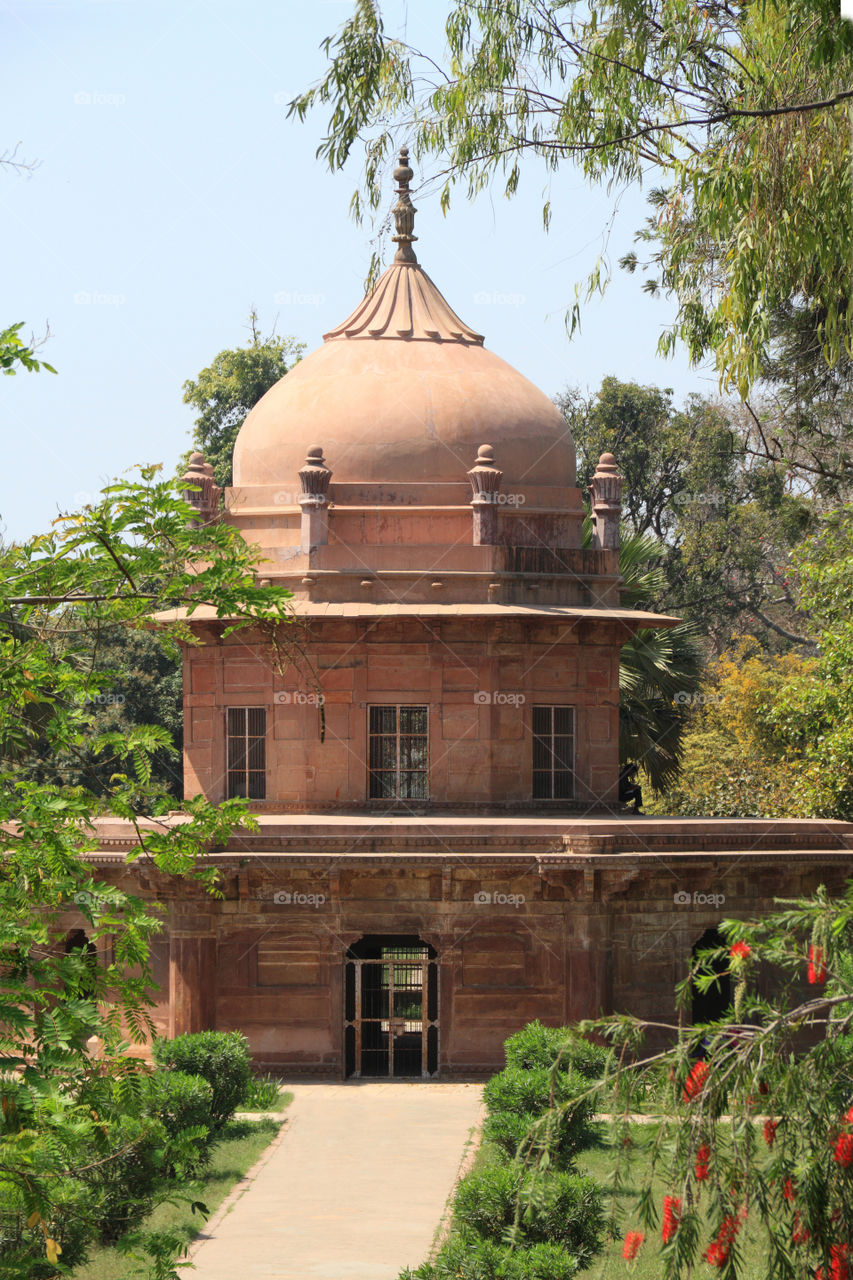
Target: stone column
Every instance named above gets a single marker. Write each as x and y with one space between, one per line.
606 490
314 500
204 494
192 983
486 482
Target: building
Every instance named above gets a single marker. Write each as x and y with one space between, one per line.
431 747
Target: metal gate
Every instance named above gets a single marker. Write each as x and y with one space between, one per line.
391 1010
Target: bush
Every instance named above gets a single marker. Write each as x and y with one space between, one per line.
69 1224
221 1057
184 1105
128 1164
538 1046
468 1258
516 1099
559 1208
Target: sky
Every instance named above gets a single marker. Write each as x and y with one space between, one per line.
170 194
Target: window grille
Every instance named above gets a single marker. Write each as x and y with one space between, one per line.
553 753
246 747
397 753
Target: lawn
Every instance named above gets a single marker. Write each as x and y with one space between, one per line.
600 1162
242 1143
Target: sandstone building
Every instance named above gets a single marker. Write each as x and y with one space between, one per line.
432 754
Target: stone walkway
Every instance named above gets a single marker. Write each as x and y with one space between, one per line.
354 1189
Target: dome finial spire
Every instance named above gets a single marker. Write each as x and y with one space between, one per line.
404 210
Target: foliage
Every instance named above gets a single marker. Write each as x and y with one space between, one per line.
75 948
517 1099
23 1250
225 391
471 1258
536 1045
263 1093
564 1208
734 763
183 1104
726 522
13 351
741 110
759 1128
219 1057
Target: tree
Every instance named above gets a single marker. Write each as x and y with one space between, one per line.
225 391
138 550
14 351
727 521
741 111
751 1114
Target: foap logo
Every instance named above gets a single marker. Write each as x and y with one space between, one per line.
93 98
483 698
287 898
698 499
685 699
485 899
297 698
94 901
296 298
696 899
91 298
492 298
292 497
503 499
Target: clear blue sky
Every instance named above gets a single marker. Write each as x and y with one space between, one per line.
172 194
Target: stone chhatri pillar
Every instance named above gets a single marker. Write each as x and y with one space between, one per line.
204 495
606 490
485 481
314 500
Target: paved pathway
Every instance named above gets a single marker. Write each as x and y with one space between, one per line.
354 1190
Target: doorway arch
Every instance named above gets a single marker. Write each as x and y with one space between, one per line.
390 1008
708 1006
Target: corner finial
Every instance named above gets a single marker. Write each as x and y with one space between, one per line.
404 210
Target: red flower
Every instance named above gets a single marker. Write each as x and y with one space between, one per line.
695 1082
763 1088
800 1234
740 951
630 1248
703 1155
671 1217
770 1127
790 1192
838 1257
848 1116
817 966
844 1149
718 1250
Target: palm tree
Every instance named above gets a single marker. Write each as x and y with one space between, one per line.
660 668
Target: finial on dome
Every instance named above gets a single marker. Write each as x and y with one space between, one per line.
404 210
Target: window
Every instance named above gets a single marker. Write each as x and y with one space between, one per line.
397 753
553 753
246 730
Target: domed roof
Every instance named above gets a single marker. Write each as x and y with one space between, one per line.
404 391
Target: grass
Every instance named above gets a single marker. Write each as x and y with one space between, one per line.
242 1143
600 1162
265 1093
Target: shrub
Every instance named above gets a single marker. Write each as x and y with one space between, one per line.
128 1164
538 1046
516 1099
559 1208
469 1258
22 1248
221 1057
184 1105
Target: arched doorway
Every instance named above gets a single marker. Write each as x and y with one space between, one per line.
390 1008
77 942
710 1005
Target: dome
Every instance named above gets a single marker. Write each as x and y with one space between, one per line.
404 391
